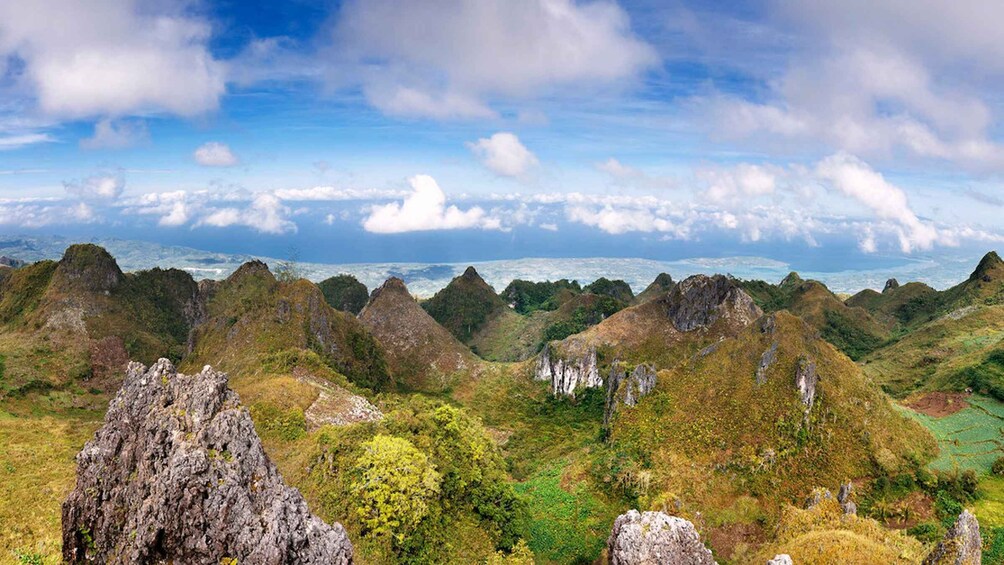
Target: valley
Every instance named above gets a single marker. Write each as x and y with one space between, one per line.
538 413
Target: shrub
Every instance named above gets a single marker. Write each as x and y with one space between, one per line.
998 466
396 484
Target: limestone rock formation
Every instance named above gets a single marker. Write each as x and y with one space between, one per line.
568 376
890 285
844 498
177 474
627 388
655 538
699 301
961 544
766 360
806 380
781 559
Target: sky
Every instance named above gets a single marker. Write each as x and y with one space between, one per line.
817 133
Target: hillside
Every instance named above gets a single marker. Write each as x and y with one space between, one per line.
252 316
421 354
697 312
663 283
465 305
851 329
770 413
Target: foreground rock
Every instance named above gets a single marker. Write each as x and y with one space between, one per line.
961 545
177 474
650 538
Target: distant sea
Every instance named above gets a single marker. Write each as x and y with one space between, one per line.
424 279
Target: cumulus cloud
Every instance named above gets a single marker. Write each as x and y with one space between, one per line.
100 59
116 134
614 220
215 154
36 215
266 214
425 209
854 178
504 154
97 187
735 186
481 50
868 80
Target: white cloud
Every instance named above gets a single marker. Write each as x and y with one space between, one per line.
444 59
215 154
86 59
425 209
549 227
109 134
628 175
736 186
504 154
97 187
10 142
856 179
266 214
28 215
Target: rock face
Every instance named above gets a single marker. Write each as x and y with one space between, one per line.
806 380
961 545
655 538
766 360
627 388
781 559
568 376
844 498
177 474
890 285
699 301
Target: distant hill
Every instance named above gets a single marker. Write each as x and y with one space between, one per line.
663 283
526 297
665 330
851 329
614 288
422 354
465 305
345 293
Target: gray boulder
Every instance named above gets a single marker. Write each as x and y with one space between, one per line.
177 474
781 559
961 544
651 538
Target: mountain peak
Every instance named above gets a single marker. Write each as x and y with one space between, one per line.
890 285
253 268
88 267
988 267
471 273
791 279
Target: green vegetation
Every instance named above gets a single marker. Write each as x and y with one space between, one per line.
396 484
527 297
617 289
465 305
583 316
970 439
345 293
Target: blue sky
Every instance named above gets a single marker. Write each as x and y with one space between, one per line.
450 130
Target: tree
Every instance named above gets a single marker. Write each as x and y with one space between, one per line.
395 485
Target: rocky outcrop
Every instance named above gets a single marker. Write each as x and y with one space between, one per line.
890 285
844 498
781 559
86 267
177 474
961 544
699 301
766 360
624 388
568 376
818 496
655 538
11 262
806 379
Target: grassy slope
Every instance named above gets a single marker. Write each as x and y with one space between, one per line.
932 356
703 439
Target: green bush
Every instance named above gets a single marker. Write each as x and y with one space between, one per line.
998 467
927 532
345 293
